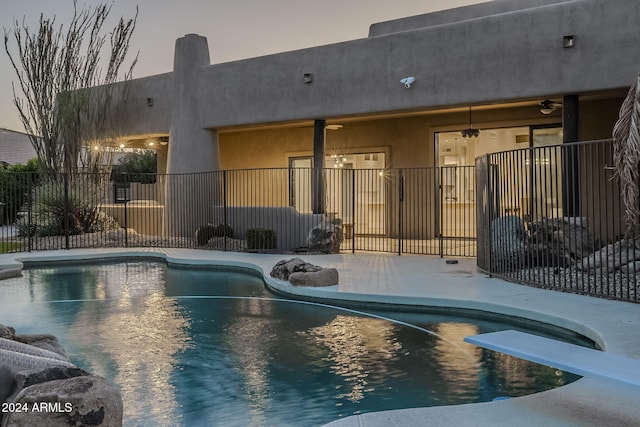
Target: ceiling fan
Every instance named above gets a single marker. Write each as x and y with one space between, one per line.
548 106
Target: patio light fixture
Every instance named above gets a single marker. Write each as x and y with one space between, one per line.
470 132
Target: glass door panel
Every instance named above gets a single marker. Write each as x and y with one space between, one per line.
546 174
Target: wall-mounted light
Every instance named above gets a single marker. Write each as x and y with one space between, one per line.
149 102
408 81
568 41
308 78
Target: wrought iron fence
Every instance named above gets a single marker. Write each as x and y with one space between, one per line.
417 211
552 217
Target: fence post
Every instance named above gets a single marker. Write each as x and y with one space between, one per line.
224 205
29 211
66 209
126 224
488 242
353 211
439 209
400 211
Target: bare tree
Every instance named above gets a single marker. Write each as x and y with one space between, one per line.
626 156
69 98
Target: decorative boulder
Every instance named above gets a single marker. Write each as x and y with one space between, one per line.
35 373
622 255
508 243
323 277
326 236
283 269
7 332
81 400
559 241
301 273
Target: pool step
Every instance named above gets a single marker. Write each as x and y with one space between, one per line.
560 355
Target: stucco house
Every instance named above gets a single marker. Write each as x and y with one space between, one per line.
410 95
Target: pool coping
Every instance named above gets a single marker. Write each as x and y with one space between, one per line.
417 281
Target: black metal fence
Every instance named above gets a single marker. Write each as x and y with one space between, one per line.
416 211
552 217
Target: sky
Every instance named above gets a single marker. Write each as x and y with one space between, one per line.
235 29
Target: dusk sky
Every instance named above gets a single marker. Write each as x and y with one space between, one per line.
235 29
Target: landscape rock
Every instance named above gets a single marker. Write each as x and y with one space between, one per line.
323 277
284 268
7 332
7 383
508 243
623 255
77 401
26 379
562 240
119 234
35 373
326 236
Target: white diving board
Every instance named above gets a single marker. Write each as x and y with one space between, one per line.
560 355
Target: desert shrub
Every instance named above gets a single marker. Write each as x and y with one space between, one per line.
50 205
261 238
208 231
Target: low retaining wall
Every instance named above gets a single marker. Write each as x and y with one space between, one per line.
144 216
292 228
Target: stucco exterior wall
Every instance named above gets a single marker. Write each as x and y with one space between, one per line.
504 53
508 56
148 106
458 14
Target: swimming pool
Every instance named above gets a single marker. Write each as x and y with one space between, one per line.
203 347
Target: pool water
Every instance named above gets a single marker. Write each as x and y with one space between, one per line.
210 347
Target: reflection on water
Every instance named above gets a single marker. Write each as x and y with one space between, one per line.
134 340
357 346
250 343
458 361
188 348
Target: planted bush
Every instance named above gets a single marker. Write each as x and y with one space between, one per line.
56 211
209 231
261 238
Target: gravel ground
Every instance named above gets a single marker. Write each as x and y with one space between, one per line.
614 285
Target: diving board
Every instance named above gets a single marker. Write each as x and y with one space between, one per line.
560 355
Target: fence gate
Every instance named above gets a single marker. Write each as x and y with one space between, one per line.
427 211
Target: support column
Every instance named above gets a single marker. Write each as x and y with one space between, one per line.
570 158
317 179
193 150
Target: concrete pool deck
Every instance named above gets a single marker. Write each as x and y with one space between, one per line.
430 281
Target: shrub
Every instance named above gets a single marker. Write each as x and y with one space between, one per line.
137 166
208 231
261 238
51 205
14 186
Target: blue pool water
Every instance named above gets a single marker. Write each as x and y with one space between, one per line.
204 347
